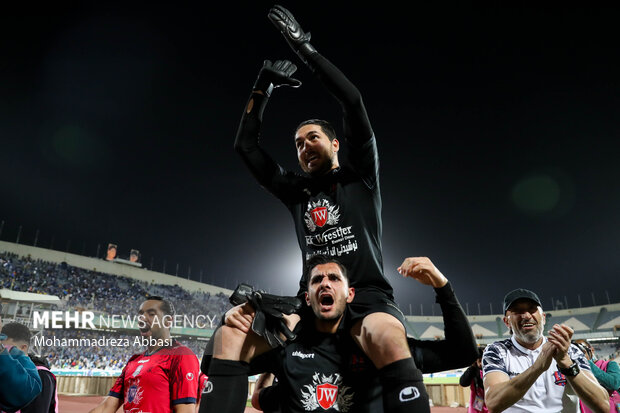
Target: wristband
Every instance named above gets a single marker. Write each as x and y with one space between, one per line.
570 371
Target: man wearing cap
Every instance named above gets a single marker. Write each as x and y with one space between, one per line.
529 372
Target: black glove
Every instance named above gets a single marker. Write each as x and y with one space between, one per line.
274 75
269 313
292 32
240 295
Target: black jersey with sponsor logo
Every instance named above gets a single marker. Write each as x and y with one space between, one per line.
338 214
306 368
323 373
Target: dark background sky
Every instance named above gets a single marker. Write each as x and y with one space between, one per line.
497 130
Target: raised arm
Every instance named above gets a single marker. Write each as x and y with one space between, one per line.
469 375
271 76
357 128
584 383
459 348
266 396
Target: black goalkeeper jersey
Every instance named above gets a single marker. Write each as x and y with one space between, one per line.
318 372
321 372
338 214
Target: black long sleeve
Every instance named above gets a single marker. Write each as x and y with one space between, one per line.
458 349
247 141
469 375
269 398
42 403
357 130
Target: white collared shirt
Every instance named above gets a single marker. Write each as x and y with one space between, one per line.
551 393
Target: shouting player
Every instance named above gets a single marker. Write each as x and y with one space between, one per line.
336 207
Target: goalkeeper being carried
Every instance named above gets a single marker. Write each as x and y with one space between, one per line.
336 208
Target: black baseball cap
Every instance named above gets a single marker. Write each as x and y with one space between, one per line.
518 294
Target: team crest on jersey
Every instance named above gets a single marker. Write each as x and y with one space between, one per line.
134 394
326 392
559 378
321 213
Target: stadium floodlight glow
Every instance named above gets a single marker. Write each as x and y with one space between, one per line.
604 339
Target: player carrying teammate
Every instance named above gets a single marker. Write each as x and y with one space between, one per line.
336 208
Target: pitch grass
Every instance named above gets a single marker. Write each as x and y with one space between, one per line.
441 380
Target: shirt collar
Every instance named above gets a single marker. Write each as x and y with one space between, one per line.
527 350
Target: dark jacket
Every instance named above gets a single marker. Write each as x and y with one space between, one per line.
20 380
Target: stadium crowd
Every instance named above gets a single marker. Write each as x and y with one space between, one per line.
112 294
95 291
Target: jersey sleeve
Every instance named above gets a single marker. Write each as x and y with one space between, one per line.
365 161
269 398
184 375
610 378
357 129
467 376
118 389
458 349
267 172
577 356
494 359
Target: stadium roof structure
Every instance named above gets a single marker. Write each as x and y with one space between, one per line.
597 322
24 297
482 332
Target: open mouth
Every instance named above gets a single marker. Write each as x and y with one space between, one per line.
326 301
312 158
528 326
145 329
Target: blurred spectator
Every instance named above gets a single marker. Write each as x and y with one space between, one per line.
18 335
606 372
472 377
19 379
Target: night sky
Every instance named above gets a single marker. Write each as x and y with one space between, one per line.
497 132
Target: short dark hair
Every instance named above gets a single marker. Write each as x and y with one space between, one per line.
17 332
327 127
166 306
320 259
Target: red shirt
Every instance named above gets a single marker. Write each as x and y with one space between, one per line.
156 382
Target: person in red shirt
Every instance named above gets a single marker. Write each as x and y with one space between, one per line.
164 378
